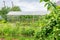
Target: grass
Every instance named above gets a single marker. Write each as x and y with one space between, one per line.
24 31
8 31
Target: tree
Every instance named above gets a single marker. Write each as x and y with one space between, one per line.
50 5
4 11
15 8
53 24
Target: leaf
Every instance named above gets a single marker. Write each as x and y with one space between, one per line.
41 0
53 4
46 0
46 4
49 6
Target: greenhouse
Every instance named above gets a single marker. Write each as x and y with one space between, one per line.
20 16
25 17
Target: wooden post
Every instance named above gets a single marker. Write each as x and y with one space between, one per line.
38 19
33 20
24 20
12 3
27 20
4 3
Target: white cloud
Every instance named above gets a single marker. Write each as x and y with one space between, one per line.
29 0
34 6
26 6
54 0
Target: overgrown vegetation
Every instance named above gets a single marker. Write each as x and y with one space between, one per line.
48 28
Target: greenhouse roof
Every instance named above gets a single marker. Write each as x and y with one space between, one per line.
27 13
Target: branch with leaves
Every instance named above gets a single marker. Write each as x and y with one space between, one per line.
50 5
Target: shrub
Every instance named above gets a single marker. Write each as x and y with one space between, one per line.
40 34
29 32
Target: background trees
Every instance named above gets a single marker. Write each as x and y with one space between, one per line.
5 10
15 8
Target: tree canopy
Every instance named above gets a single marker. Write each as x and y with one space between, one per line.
15 8
5 10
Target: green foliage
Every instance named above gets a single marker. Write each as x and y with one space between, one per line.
3 12
28 32
15 8
44 0
50 5
40 34
49 26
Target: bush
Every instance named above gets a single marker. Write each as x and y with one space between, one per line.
40 34
29 32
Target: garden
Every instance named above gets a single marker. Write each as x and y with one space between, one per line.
46 28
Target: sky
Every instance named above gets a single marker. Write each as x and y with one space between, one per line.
25 5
